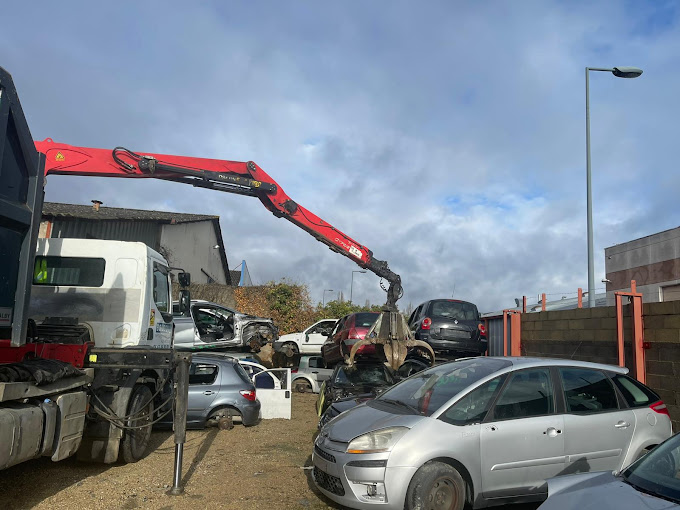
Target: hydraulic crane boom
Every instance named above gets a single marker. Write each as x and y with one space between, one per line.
229 176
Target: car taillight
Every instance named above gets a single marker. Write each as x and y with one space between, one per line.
294 371
427 322
353 334
248 394
660 407
482 329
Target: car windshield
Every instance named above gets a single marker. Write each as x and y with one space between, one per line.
365 320
430 389
363 375
459 310
658 472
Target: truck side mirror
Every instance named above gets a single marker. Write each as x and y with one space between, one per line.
184 302
184 279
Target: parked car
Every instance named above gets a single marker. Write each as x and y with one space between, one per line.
338 406
310 374
346 332
483 431
213 326
259 375
219 387
308 341
653 483
366 378
450 326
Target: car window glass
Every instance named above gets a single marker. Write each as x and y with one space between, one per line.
240 371
528 393
316 362
414 316
264 380
635 393
473 407
200 373
338 326
587 391
458 310
658 472
363 375
365 320
430 389
161 289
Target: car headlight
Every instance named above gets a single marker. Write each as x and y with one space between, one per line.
377 441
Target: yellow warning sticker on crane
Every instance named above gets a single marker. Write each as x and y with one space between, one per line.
59 157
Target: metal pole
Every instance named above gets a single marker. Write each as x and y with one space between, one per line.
180 419
351 287
589 202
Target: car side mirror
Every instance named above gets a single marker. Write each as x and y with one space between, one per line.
184 302
184 279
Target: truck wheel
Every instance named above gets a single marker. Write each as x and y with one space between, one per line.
135 442
436 486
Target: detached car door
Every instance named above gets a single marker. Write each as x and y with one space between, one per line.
275 402
522 440
597 433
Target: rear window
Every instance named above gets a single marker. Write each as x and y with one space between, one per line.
635 393
240 371
71 271
459 310
365 320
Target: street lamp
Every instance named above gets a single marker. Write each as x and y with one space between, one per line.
619 72
323 299
351 287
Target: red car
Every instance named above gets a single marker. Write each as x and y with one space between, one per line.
347 331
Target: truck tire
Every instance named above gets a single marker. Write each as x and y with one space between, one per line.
135 442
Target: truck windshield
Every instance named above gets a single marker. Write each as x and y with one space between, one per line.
69 271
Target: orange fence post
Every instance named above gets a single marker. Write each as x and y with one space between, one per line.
638 339
486 328
543 302
505 332
515 334
524 304
619 329
580 297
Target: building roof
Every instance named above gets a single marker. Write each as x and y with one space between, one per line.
87 212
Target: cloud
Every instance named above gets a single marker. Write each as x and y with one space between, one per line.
448 138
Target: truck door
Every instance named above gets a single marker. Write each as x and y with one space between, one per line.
276 403
160 319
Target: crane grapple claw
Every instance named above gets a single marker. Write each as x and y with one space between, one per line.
393 340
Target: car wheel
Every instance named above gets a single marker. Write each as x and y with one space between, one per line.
303 386
223 418
436 486
135 441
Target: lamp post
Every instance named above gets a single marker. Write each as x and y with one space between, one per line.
323 299
351 287
619 72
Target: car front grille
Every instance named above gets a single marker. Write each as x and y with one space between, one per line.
323 454
329 482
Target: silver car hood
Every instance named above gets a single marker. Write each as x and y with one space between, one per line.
599 491
363 419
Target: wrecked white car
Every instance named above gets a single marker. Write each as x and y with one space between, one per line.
212 326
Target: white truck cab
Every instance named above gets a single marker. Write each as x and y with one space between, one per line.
119 290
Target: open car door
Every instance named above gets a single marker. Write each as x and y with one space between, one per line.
276 402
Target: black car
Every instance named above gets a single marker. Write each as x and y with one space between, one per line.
366 378
449 325
342 403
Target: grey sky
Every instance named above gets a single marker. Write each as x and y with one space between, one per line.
448 137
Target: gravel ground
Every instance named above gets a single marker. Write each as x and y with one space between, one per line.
256 467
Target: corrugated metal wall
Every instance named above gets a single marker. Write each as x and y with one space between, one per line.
494 334
142 231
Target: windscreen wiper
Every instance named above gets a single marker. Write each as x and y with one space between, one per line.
399 403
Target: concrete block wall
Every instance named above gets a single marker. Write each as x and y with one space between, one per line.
590 335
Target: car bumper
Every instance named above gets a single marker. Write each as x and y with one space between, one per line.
352 485
250 414
463 346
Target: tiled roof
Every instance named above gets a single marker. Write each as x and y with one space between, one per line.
87 212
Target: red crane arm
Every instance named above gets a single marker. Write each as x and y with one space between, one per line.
229 176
